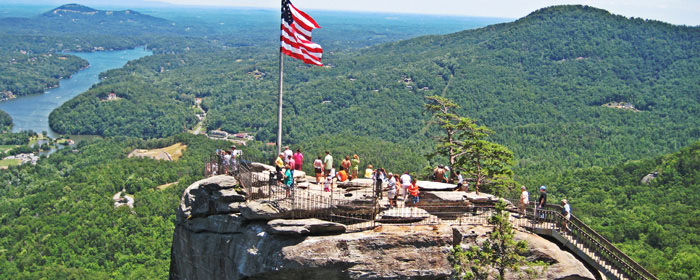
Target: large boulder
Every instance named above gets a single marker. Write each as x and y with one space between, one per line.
304 227
435 186
210 196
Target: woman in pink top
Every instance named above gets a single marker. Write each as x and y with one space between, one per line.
298 158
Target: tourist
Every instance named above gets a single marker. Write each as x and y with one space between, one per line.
342 175
298 159
392 189
334 177
405 182
378 177
287 154
288 180
460 182
318 168
235 154
328 162
292 163
542 201
524 200
355 166
369 171
226 162
346 164
566 212
327 183
413 192
438 173
279 164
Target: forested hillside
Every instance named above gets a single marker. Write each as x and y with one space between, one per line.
5 121
657 223
539 82
58 221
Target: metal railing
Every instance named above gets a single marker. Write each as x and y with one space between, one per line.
361 210
582 236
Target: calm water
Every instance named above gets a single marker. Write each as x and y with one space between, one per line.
32 112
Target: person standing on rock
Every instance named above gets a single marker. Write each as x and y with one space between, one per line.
355 166
542 201
369 171
414 192
298 159
318 168
288 180
378 177
405 182
287 154
524 200
393 189
279 164
328 163
345 164
292 163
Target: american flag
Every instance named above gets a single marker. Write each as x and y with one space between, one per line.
296 35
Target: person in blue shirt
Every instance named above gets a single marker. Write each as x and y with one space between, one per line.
288 179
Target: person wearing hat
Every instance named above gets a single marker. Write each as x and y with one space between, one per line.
524 200
566 212
542 200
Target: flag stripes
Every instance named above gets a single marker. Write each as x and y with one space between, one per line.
295 38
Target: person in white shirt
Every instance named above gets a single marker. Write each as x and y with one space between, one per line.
287 154
318 169
405 182
524 200
391 194
566 212
460 181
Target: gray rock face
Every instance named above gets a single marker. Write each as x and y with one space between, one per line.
259 243
304 227
262 211
210 196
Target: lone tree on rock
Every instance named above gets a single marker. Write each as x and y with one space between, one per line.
464 144
499 252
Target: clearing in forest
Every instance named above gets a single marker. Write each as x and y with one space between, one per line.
172 153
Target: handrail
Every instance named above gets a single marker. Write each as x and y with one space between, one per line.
583 234
580 232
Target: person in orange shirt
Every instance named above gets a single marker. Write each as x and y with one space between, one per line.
342 174
414 192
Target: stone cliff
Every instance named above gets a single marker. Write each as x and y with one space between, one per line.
220 236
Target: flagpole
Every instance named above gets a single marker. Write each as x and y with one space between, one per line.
279 111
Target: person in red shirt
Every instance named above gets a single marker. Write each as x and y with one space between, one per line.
414 192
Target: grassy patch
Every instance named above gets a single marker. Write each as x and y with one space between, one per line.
7 148
9 162
175 151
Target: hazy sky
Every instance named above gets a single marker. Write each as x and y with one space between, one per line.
673 11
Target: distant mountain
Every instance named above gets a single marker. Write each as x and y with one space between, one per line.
75 13
74 19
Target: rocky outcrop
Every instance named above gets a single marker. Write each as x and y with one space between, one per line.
220 236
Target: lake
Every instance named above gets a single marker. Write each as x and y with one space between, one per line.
32 112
